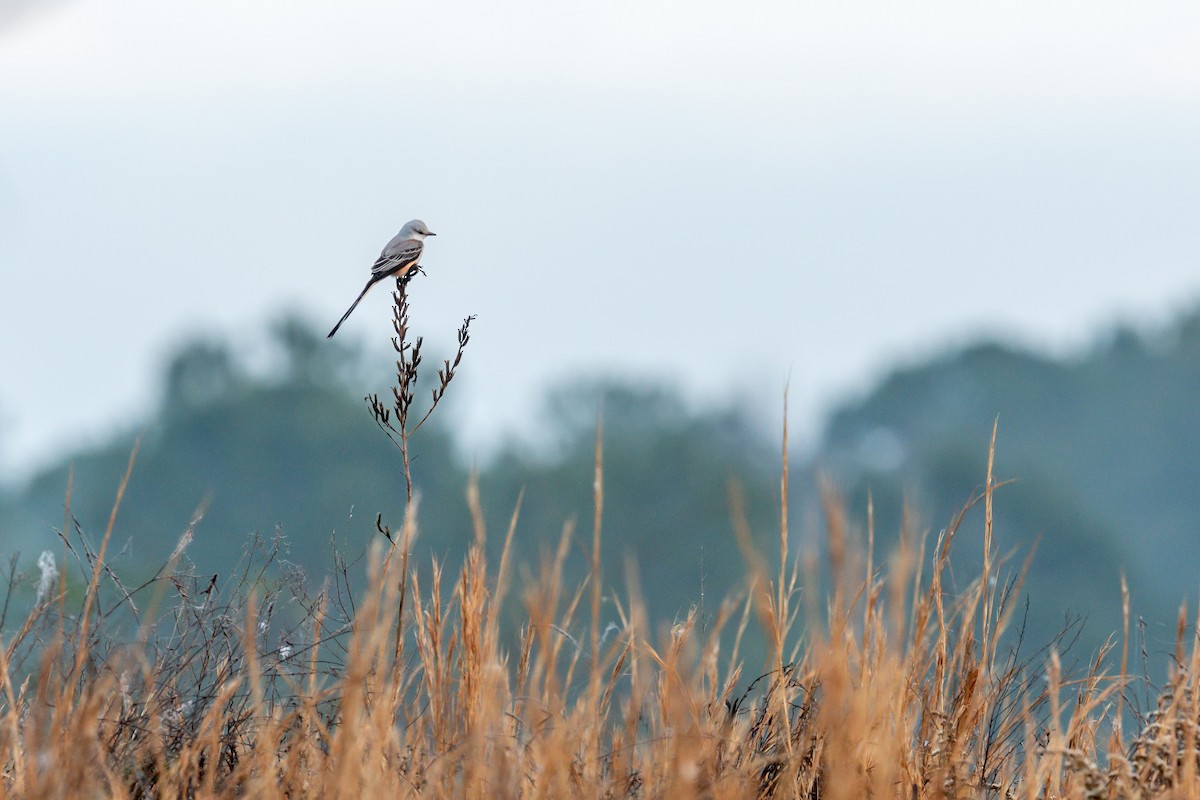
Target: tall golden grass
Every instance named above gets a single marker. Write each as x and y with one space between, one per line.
880 684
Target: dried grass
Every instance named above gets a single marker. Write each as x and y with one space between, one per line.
886 682
898 689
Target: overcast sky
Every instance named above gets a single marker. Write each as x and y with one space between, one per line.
721 194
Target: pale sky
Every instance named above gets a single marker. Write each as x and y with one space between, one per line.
719 194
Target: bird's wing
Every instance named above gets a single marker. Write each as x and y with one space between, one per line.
398 255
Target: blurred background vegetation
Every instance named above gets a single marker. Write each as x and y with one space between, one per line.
1101 449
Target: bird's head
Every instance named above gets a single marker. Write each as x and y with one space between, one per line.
415 229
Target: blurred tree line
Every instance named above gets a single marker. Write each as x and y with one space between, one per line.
295 452
1101 449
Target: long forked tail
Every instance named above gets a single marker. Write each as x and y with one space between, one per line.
353 306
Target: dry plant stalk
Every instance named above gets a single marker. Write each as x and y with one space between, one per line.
394 420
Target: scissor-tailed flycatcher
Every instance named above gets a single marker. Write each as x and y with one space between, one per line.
399 258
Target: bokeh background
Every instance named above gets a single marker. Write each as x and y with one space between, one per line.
917 217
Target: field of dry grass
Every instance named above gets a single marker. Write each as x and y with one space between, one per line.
881 683
881 677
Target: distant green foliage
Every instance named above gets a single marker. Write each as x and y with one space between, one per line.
296 451
1103 449
667 473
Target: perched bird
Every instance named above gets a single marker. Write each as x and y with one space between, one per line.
399 258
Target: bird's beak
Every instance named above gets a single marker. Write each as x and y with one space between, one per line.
431 233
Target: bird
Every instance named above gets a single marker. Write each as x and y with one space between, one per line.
399 258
